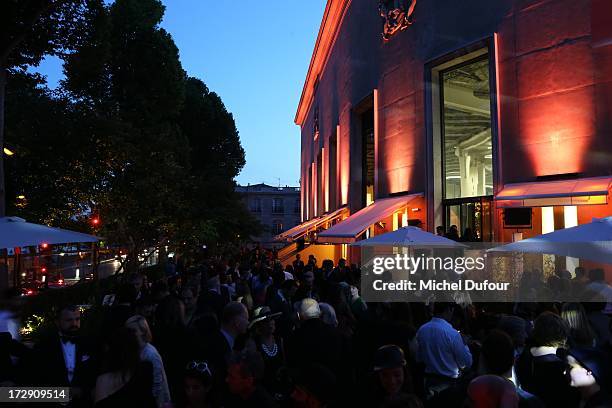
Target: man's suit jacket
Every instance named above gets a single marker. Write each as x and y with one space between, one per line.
316 342
218 352
49 368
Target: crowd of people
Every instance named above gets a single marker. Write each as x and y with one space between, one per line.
248 332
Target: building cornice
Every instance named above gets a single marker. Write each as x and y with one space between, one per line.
328 31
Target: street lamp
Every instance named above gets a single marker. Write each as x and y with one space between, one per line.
8 151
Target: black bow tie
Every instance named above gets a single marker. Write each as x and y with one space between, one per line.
67 339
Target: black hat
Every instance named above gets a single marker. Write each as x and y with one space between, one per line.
593 360
389 356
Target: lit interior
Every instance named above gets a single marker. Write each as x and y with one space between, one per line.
468 169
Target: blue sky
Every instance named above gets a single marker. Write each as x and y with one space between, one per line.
255 55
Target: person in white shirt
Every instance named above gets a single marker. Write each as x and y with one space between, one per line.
140 327
442 349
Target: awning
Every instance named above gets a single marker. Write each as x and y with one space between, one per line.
583 191
348 230
16 232
299 230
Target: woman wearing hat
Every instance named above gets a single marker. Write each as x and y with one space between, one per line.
263 328
588 371
392 380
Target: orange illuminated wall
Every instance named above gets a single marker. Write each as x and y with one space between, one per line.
376 97
343 158
338 201
558 130
397 141
548 91
313 189
302 206
325 178
601 42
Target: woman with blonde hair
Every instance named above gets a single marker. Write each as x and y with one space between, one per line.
139 326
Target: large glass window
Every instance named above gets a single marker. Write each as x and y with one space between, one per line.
467 138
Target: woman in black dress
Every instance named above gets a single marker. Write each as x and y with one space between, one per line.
270 347
126 381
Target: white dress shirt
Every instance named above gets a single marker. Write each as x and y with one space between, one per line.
69 349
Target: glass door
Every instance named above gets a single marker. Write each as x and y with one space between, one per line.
469 220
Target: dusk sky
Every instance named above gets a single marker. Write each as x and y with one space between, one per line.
255 55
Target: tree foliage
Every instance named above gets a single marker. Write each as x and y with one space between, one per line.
54 170
29 30
134 139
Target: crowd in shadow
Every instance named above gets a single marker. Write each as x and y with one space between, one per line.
248 332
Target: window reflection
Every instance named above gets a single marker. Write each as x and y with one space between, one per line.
468 168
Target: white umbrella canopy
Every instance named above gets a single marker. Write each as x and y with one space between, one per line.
16 232
410 236
592 241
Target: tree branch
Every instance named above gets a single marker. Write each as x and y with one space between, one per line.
25 28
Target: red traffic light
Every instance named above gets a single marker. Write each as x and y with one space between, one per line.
43 269
95 221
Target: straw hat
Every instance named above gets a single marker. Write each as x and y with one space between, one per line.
262 313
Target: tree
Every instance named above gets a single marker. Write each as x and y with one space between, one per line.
31 29
216 157
54 177
129 74
129 137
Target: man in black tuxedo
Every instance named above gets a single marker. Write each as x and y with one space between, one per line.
63 359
